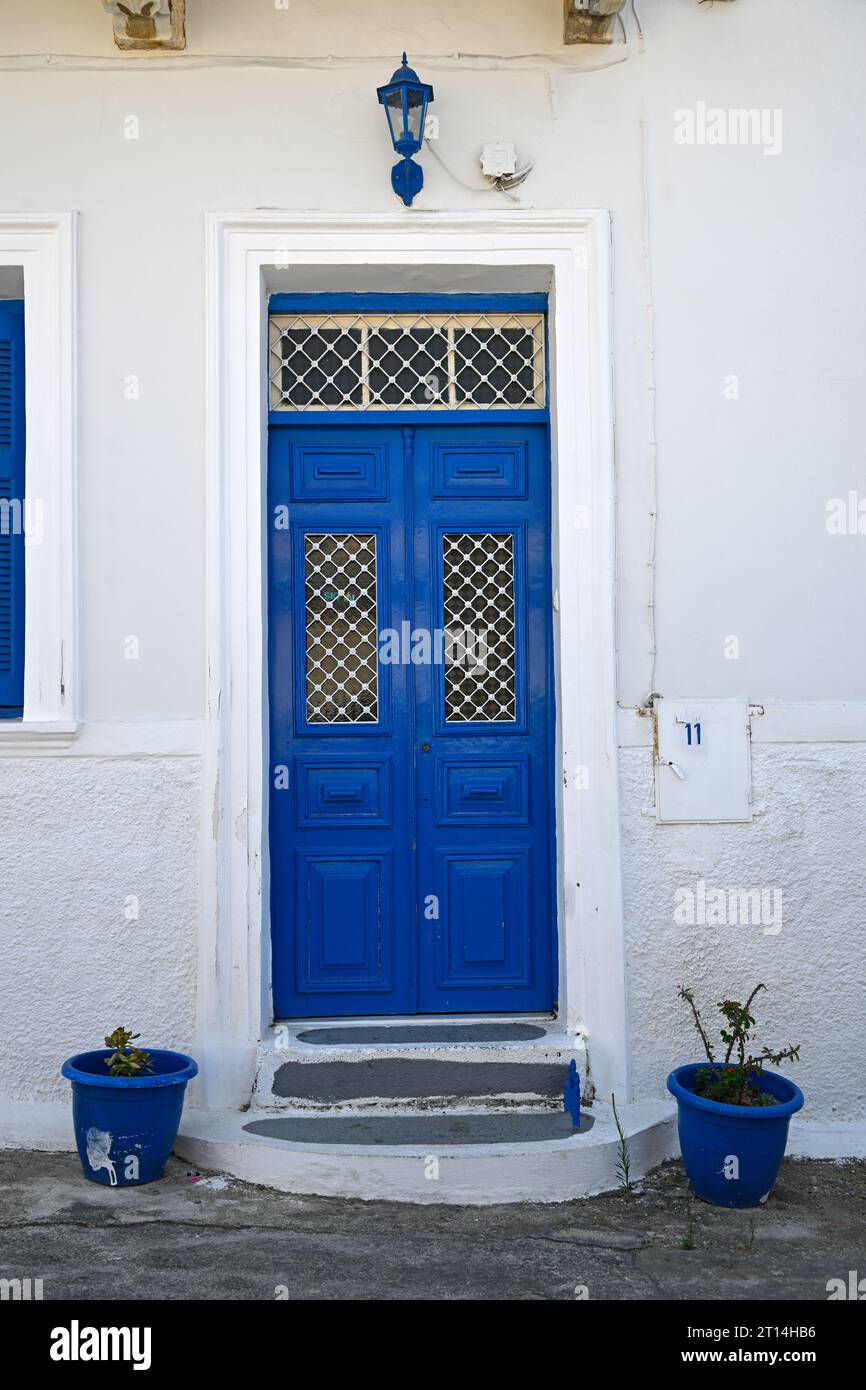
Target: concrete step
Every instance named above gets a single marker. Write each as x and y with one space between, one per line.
440 1157
485 1064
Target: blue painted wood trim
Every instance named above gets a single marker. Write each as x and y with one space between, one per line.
408 303
533 416
12 460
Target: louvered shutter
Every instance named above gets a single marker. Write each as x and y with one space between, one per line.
11 508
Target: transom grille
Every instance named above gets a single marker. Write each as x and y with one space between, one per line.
417 361
341 628
478 584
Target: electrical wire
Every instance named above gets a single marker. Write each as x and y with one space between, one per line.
184 62
472 187
646 258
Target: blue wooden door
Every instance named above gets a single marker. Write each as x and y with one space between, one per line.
411 716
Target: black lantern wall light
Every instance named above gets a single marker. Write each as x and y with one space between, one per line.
405 99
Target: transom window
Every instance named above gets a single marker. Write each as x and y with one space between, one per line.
400 361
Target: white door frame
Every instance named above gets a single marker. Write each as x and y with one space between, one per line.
234 1008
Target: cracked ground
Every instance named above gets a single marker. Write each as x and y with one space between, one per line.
192 1236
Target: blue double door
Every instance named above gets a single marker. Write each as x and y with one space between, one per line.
411 719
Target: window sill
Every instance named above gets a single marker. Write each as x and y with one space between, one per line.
19 735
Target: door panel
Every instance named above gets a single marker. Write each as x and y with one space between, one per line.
485 720
341 809
482 791
411 712
484 942
327 473
337 791
345 921
465 469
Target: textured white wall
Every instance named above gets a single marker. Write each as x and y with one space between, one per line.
726 263
806 840
78 837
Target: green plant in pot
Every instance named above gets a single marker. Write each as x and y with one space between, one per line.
126 1060
733 1114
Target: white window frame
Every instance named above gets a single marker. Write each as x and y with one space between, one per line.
234 996
44 245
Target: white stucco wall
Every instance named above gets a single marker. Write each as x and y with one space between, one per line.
81 838
806 841
726 262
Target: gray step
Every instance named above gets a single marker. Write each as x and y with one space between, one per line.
415 1064
423 1131
331 1082
365 1034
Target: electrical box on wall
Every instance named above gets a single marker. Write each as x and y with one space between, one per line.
497 160
703 763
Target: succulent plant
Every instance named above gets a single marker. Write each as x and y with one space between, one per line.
126 1060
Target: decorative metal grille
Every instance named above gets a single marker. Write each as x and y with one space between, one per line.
478 587
342 629
407 361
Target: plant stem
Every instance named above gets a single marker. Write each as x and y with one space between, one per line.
689 998
734 1038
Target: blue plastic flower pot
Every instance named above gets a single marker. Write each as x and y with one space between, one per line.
733 1153
125 1126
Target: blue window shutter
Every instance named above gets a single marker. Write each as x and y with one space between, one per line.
11 515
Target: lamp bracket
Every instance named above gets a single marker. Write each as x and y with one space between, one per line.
407 179
148 24
591 21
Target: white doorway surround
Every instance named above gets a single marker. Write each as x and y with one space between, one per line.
571 252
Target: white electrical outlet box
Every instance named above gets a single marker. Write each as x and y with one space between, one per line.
703 763
431 127
497 160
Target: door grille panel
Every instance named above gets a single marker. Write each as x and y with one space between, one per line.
341 628
478 590
396 361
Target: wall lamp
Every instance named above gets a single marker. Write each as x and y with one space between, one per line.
405 99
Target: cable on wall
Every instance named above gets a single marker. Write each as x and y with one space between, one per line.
491 187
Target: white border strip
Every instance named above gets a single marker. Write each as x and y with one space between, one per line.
574 248
796 721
